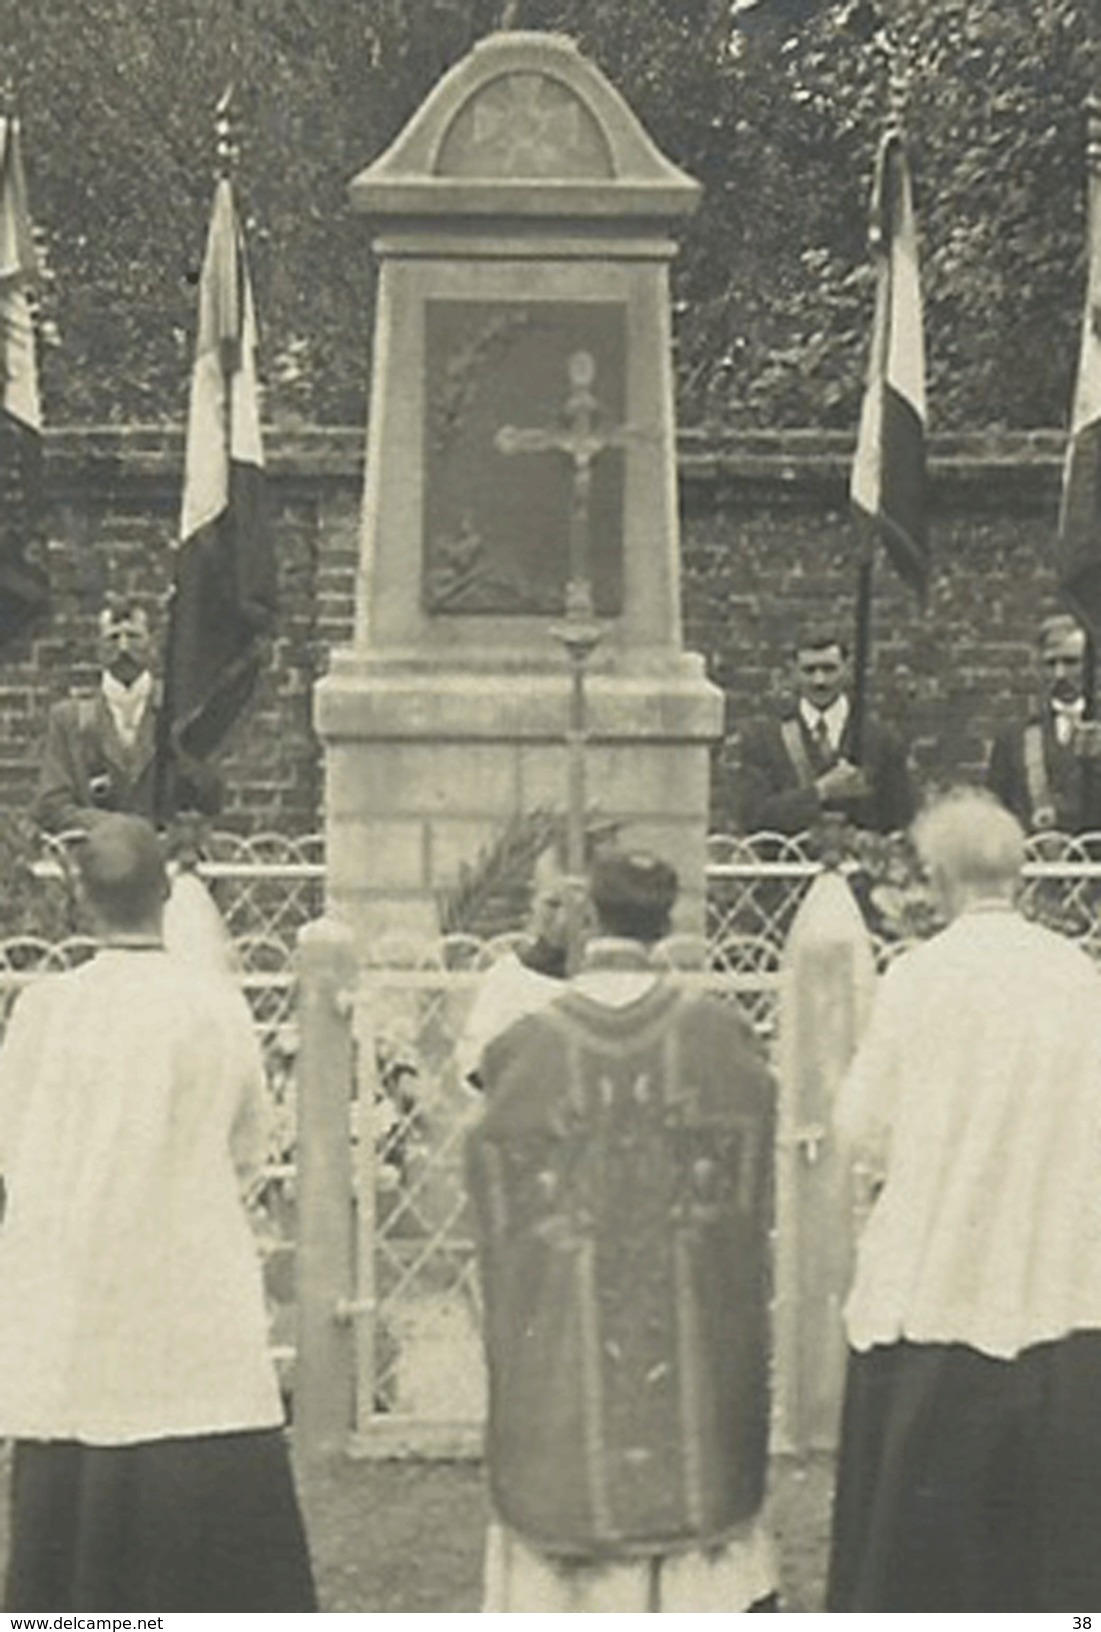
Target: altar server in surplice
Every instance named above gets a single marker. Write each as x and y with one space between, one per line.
149 1470
970 1465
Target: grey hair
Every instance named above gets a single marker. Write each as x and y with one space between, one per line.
968 837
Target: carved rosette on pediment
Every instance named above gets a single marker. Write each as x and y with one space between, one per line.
524 125
524 107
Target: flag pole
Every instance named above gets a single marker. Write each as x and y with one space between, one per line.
1093 213
865 579
862 651
1091 776
227 154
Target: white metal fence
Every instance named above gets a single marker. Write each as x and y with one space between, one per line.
412 1300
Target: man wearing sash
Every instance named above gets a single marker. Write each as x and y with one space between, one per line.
794 770
1038 769
621 1179
100 751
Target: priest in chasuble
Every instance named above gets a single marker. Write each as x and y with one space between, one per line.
622 1184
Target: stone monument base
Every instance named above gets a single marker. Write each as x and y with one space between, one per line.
426 765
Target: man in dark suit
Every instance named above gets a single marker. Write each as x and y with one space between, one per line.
796 769
1040 769
100 753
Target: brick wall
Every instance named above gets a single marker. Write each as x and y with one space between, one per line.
766 542
114 508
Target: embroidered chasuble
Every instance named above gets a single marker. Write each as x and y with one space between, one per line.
621 1181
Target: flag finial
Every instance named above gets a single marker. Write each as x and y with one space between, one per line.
1093 133
225 134
895 59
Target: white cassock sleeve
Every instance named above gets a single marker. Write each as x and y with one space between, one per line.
194 929
507 991
251 1127
19 1055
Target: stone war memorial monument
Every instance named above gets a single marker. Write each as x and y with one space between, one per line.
521 433
521 441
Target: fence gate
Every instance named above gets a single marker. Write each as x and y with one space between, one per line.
419 1373
388 1305
403 1359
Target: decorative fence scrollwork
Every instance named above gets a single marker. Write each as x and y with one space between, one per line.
415 1303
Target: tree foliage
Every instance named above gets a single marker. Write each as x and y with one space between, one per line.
775 105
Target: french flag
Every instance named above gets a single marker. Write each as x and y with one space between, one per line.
888 486
223 599
23 582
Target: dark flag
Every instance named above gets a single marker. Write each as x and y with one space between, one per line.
1078 556
888 476
224 582
23 585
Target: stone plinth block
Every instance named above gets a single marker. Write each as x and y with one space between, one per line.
424 771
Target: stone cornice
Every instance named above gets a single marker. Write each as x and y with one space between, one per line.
995 471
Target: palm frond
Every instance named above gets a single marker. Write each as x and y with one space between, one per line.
492 893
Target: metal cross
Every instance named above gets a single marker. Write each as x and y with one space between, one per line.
581 437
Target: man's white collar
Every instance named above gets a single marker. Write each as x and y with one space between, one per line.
127 703
836 716
127 696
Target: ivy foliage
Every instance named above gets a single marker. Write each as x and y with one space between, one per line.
775 105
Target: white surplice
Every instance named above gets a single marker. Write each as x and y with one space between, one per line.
506 993
977 1092
131 1109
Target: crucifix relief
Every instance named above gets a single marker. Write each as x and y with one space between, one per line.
582 438
507 526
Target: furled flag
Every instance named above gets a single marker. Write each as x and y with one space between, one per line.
888 476
1078 556
224 581
23 588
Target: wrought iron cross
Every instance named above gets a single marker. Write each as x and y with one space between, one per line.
582 437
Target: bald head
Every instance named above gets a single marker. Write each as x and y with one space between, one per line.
972 847
122 873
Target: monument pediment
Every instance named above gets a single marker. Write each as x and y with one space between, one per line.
524 108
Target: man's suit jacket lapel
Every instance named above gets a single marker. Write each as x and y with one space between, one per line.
145 744
1064 770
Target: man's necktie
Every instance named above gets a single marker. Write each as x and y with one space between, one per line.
822 743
